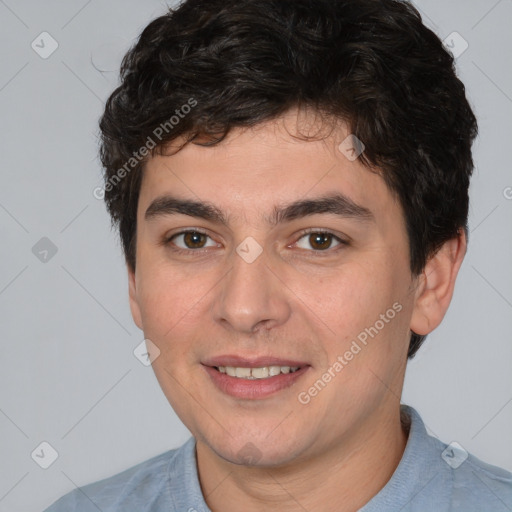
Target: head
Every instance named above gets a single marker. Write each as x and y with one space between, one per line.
230 110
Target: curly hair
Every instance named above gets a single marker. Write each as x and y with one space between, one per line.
214 65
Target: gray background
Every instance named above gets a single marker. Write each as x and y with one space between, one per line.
68 374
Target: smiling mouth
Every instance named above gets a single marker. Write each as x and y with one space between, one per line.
252 380
263 372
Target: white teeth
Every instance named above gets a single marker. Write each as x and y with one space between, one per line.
260 373
243 372
274 370
256 373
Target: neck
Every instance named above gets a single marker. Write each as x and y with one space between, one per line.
342 478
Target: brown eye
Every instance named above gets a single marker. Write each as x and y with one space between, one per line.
194 240
319 241
191 240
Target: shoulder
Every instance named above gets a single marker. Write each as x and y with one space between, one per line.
481 486
137 488
433 475
462 480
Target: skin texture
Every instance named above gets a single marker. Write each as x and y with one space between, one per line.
294 301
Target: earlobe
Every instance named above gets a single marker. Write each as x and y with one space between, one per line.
134 304
436 285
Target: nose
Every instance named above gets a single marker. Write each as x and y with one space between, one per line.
252 297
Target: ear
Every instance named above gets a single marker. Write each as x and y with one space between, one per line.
436 284
134 304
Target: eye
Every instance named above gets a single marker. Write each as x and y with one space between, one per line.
319 240
191 239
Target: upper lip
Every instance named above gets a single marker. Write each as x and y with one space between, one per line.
252 362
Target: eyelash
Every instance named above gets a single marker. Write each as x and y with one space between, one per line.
178 250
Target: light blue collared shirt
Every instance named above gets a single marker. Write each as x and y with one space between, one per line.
431 477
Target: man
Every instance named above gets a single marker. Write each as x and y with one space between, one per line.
290 182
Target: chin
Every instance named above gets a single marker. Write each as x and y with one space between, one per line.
257 451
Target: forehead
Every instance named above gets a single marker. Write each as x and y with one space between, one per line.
253 172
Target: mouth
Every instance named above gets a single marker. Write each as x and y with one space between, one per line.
262 372
253 378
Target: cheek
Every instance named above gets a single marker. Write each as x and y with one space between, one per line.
364 305
165 297
175 303
349 298
365 309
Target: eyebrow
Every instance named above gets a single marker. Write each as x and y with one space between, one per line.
337 204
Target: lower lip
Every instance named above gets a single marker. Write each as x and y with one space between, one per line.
253 388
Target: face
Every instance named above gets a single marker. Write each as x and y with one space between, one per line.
324 289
